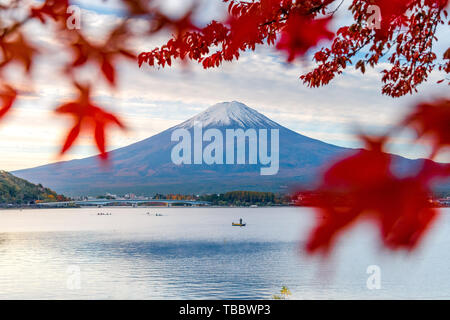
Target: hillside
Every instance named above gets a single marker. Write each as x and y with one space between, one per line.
14 190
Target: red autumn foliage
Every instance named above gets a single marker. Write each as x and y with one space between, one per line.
87 116
7 96
15 48
249 24
53 9
393 15
302 33
104 55
432 120
361 185
405 39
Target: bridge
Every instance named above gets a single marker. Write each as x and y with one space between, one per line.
130 202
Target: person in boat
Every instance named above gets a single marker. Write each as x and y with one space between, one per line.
240 221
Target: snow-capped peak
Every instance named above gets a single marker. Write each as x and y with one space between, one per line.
233 114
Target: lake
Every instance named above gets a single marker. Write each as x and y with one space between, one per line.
195 253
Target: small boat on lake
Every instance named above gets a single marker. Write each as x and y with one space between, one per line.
240 224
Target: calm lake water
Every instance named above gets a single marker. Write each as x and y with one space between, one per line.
195 253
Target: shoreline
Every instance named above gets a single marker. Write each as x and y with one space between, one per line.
161 207
146 207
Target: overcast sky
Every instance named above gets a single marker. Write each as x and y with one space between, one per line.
151 100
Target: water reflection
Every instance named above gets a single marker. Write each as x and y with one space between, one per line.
198 255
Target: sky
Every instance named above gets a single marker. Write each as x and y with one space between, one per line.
150 100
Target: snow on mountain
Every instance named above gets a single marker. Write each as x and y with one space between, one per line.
233 114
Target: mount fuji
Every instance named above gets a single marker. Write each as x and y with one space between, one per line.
146 167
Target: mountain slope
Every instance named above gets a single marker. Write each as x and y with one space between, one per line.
16 191
146 166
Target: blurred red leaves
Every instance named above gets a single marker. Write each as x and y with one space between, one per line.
7 97
15 48
364 186
400 207
87 116
53 9
432 121
302 33
104 55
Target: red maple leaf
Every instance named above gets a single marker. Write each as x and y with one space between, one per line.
432 120
302 33
87 116
8 96
15 48
392 16
402 209
363 186
104 55
243 30
54 9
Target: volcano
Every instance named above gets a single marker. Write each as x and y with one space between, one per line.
146 167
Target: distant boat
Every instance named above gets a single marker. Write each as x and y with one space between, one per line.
240 224
253 206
